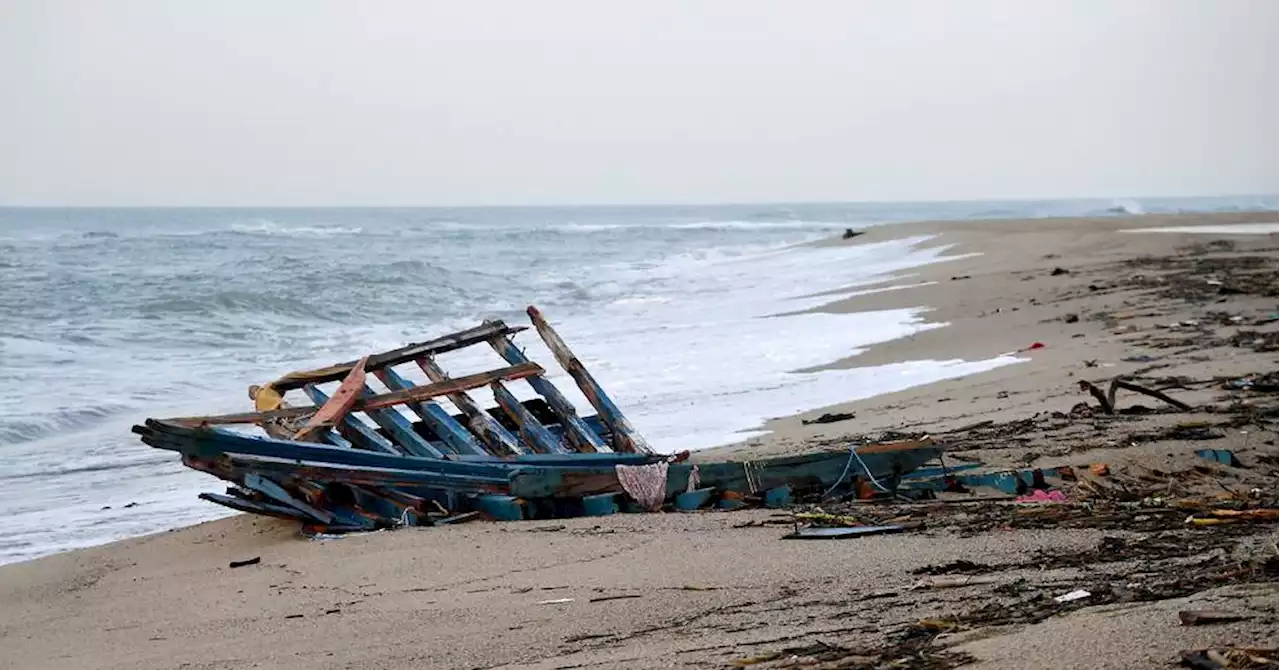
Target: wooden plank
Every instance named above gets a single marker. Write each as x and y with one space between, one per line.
367 475
576 432
531 430
279 494
435 416
336 407
254 507
625 436
210 442
494 435
368 437
382 401
401 430
458 340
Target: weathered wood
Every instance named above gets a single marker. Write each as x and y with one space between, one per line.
1158 395
497 438
458 340
401 431
211 442
367 436
531 430
434 416
625 436
255 507
576 432
382 401
369 476
279 494
335 409
812 472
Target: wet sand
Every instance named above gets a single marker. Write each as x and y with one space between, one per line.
710 589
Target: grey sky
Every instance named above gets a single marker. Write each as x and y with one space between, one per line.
289 103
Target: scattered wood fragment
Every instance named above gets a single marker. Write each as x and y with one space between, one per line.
240 564
1201 618
830 417
1108 400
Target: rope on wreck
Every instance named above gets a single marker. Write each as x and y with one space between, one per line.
853 455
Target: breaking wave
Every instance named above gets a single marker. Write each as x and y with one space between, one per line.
269 227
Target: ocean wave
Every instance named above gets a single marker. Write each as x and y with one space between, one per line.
758 225
17 431
229 301
270 227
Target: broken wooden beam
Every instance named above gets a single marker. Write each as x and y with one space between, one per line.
415 394
625 436
576 432
405 354
498 439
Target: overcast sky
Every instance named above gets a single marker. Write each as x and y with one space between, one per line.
292 103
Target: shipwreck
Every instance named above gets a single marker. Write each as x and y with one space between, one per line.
325 448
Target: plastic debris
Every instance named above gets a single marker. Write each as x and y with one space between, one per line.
1078 594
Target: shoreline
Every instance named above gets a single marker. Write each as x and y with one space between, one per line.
978 289
713 588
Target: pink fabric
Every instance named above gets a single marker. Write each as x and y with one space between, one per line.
1042 496
646 484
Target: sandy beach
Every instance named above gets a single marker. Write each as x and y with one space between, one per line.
1192 314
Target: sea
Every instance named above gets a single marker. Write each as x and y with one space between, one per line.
695 318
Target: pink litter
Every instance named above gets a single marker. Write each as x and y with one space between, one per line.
1042 496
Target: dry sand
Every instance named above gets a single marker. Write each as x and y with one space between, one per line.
704 589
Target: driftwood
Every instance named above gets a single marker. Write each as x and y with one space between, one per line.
1108 400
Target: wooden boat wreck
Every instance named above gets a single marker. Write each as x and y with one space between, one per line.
347 457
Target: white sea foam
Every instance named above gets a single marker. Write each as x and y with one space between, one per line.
1224 229
691 352
269 227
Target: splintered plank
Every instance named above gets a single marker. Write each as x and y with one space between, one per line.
366 436
273 490
578 434
495 436
458 340
335 409
381 401
401 430
625 436
533 432
435 416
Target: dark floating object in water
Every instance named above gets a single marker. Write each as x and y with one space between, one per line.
850 233
348 457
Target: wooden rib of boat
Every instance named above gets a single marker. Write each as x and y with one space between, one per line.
349 457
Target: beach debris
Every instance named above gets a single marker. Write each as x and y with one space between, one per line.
1218 517
601 599
830 417
960 277
1230 658
850 233
1071 317
1042 496
340 456
1203 617
1108 400
250 561
948 582
1223 456
1058 272
555 601
842 532
1078 594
